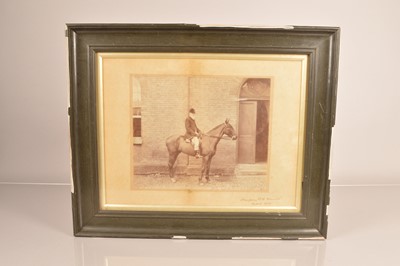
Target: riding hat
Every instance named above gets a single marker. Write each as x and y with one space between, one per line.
192 111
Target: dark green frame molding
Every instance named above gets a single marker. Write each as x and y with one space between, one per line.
321 44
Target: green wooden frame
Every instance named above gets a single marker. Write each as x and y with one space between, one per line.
321 44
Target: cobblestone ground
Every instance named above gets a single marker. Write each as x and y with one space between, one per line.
217 182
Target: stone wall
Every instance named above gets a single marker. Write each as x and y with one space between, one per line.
165 101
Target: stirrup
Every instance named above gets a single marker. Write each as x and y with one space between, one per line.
198 155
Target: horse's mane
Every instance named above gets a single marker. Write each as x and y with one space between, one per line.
215 127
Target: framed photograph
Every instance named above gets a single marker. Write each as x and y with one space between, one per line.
185 131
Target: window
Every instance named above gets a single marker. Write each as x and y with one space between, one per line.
137 125
136 112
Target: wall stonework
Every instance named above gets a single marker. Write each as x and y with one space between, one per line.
164 106
215 99
165 101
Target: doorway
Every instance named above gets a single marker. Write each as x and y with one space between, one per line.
262 132
253 121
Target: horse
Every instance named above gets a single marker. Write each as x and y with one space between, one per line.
177 144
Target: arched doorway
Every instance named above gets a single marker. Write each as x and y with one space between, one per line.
253 128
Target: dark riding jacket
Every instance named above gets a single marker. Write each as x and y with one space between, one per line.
191 128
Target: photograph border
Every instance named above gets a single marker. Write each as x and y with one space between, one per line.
320 44
286 195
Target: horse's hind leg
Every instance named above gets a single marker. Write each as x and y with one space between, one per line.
171 162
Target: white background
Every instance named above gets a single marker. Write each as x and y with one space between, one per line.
34 84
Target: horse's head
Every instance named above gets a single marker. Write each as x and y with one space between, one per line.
229 130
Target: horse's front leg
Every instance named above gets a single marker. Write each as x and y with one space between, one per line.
207 174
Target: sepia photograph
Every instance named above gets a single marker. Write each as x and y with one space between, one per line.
200 132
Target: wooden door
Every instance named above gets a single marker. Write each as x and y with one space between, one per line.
247 131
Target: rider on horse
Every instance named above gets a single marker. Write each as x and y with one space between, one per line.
193 132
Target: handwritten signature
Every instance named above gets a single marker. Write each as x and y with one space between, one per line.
259 201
